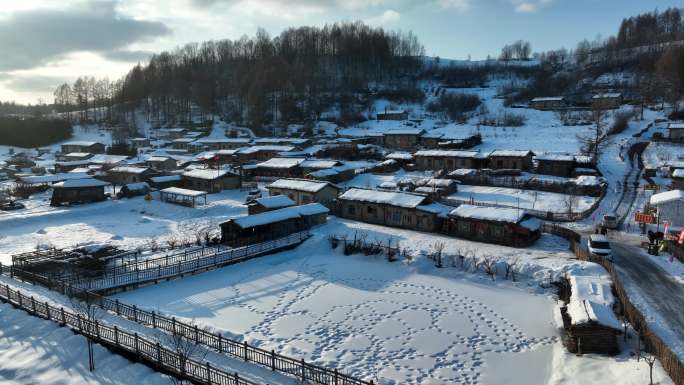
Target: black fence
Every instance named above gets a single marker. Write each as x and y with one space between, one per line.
215 341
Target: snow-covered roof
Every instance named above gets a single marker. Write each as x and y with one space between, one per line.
129 169
591 301
222 140
206 173
281 163
226 152
677 125
436 208
253 149
319 163
668 196
78 154
165 178
607 95
515 153
279 215
436 182
393 112
276 201
281 140
548 99
107 159
82 182
678 173
555 157
532 223
138 186
158 159
84 143
406 131
183 191
300 185
52 178
447 153
388 185
401 199
183 140
587 180
496 214
399 155
463 172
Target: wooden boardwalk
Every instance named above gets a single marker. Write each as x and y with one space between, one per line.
176 265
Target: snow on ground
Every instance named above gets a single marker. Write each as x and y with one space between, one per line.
36 351
525 199
367 316
128 223
657 154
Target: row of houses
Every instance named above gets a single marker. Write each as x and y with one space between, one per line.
604 100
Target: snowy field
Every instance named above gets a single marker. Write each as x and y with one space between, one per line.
657 154
524 199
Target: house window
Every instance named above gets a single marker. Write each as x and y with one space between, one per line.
351 210
370 209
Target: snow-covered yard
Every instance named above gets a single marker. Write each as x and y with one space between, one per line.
524 199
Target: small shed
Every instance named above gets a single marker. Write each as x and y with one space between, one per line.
121 175
264 204
670 206
279 167
403 139
506 226
445 159
182 196
588 318
210 180
75 191
304 191
271 225
261 153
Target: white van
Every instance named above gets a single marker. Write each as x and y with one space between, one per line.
599 245
610 221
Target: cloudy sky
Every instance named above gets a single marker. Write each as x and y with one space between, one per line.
46 42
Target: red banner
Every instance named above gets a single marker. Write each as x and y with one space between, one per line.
644 218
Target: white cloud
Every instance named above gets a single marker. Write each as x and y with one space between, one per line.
388 17
526 6
459 5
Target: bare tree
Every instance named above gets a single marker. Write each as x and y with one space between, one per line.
185 350
89 315
489 265
438 249
570 202
594 142
650 360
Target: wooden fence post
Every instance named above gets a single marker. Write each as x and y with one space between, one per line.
272 359
135 313
63 316
78 316
173 322
116 335
237 379
208 373
335 378
303 371
245 346
118 312
33 304
97 329
196 334
47 310
159 360
220 342
154 320
137 351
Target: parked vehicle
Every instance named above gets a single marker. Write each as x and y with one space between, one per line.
599 245
610 221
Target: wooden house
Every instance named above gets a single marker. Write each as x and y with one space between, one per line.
138 143
76 191
182 143
277 167
511 159
298 143
548 103
510 227
171 133
446 159
555 164
121 175
270 225
607 100
333 175
83 146
436 188
390 208
304 191
311 165
588 318
269 203
670 206
133 189
676 131
392 115
208 144
161 163
74 156
165 181
405 139
261 153
210 180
